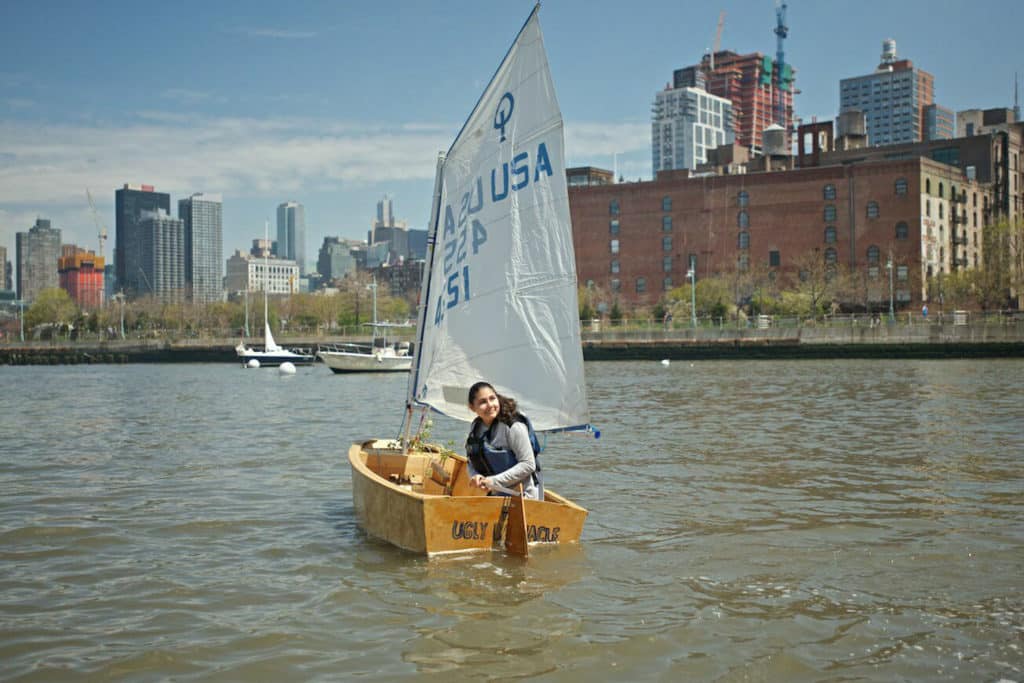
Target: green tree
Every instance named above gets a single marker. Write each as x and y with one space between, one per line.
817 282
999 279
615 314
714 297
51 306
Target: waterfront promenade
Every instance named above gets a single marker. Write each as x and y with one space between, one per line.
983 337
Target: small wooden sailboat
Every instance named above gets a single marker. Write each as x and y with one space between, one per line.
498 304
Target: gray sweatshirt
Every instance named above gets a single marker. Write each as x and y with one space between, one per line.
516 439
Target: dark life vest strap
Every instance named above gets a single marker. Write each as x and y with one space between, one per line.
477 447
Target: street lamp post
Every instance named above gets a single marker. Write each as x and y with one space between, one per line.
693 296
892 313
120 298
21 318
246 291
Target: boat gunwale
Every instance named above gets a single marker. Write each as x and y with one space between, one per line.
356 449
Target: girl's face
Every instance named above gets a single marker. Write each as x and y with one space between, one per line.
485 404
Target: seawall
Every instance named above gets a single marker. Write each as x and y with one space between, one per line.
933 340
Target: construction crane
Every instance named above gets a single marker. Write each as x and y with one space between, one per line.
781 31
718 39
101 231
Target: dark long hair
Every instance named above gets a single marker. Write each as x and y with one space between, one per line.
508 411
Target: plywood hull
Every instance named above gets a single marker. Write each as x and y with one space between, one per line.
423 503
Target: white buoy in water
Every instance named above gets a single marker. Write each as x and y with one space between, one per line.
286 368
665 362
253 363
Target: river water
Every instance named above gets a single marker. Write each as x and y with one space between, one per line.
750 521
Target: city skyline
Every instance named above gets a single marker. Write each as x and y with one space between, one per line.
268 104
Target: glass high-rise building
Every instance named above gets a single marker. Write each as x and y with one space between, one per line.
129 203
291 233
685 124
4 282
38 252
896 101
161 245
202 216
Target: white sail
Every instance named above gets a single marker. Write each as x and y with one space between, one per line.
269 345
500 301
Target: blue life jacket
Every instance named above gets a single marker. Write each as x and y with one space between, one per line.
489 461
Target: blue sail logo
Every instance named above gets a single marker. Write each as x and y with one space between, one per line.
503 114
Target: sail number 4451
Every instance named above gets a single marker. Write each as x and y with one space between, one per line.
457 288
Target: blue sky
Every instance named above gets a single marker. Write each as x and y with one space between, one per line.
335 104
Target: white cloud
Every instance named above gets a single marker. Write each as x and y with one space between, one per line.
594 139
19 103
45 168
258 32
186 96
53 163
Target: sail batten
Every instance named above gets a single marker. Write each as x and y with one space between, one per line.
500 300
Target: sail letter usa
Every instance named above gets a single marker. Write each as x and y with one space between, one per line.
520 172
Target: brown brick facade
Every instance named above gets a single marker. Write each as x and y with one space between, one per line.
862 211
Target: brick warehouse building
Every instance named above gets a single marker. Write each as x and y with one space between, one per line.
636 240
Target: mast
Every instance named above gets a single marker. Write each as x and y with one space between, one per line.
373 328
428 266
266 274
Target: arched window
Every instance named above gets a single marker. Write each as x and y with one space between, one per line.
744 241
901 186
666 204
829 192
830 213
666 223
928 185
941 212
902 231
873 255
830 235
942 191
742 199
831 256
613 207
872 209
743 220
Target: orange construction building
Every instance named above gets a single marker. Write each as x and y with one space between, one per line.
81 275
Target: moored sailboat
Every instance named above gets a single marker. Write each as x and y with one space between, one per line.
498 304
272 354
377 357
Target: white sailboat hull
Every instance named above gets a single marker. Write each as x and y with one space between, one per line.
383 360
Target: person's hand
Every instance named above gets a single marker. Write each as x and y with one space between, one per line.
479 481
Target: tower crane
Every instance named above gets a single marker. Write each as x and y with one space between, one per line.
781 31
718 39
101 230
